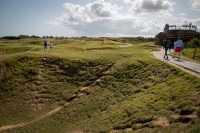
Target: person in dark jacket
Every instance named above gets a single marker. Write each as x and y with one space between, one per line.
166 46
45 45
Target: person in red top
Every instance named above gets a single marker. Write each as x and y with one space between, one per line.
178 47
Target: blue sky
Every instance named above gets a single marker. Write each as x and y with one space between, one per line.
95 18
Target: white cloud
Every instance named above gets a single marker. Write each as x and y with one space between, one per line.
89 13
151 26
166 15
117 35
149 6
195 4
126 1
195 22
105 26
102 18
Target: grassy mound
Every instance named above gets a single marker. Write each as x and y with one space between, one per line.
83 86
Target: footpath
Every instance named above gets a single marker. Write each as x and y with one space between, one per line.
187 66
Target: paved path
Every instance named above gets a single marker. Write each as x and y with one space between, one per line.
188 66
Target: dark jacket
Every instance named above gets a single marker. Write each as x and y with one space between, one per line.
166 44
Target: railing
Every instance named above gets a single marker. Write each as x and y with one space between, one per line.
183 27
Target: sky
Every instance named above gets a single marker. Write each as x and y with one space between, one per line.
95 18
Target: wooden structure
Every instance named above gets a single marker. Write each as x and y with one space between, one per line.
172 32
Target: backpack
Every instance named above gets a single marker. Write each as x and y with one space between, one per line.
167 43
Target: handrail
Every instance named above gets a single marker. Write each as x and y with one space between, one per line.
182 27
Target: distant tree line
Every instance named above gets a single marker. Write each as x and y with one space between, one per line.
139 39
19 37
133 39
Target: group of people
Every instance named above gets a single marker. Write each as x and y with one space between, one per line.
46 44
178 46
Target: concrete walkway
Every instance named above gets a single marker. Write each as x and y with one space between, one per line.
188 66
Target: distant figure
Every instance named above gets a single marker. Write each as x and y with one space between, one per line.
51 45
166 27
166 46
190 25
48 43
102 41
178 47
45 45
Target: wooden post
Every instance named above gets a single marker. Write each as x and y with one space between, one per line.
195 49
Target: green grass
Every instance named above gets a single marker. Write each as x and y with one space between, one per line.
128 88
188 53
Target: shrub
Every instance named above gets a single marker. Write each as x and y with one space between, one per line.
194 43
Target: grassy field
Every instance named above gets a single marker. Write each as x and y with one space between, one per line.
82 85
189 52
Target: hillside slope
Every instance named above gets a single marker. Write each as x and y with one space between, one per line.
83 86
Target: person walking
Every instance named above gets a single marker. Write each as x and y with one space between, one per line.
190 25
45 45
178 48
51 45
166 47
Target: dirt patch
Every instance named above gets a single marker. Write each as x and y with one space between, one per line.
161 122
183 118
12 126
